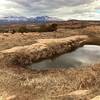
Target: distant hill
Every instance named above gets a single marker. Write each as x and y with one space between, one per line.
21 19
44 19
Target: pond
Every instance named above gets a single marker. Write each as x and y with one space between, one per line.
86 55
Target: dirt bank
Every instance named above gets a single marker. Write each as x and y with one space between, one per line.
46 48
43 49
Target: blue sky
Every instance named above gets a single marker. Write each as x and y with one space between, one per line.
64 9
98 11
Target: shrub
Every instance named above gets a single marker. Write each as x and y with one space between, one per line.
13 31
47 28
42 28
52 27
23 29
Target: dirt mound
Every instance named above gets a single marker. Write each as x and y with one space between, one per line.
45 48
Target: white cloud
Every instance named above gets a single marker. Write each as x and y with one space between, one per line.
85 11
66 9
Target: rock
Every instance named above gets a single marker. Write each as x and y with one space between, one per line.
1 98
13 97
96 98
79 93
76 95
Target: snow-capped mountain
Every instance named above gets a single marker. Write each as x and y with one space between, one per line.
14 18
45 19
21 19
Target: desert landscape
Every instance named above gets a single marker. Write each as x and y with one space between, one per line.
20 82
50 50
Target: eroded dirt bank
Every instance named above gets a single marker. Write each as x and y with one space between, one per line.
46 48
43 49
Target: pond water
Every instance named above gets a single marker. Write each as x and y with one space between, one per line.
86 55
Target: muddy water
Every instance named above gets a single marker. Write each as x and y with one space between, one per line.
89 54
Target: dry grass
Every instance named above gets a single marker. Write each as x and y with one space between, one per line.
8 40
54 84
91 30
25 55
18 83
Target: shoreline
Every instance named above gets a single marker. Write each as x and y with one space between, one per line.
43 49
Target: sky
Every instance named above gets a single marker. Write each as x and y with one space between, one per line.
64 9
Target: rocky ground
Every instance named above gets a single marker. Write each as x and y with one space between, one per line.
19 83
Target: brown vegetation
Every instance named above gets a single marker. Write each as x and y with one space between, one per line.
54 84
18 83
27 29
46 48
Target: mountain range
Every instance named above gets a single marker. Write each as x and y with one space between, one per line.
21 19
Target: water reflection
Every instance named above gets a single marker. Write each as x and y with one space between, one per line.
89 54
